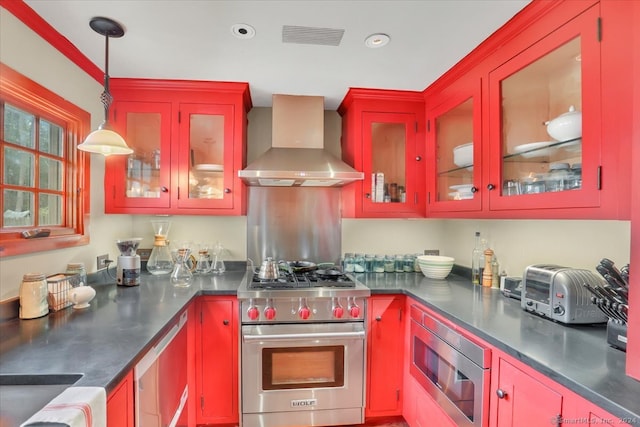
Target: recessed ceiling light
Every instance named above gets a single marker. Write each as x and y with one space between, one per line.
243 31
377 40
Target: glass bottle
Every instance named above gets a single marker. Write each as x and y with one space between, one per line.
347 263
378 264
409 260
368 263
389 264
477 260
160 260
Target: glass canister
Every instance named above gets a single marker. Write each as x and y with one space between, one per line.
574 182
358 263
33 296
557 177
347 263
389 264
409 260
378 264
399 263
77 268
533 185
368 263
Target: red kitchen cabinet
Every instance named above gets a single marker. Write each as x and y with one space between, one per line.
385 353
422 409
522 400
383 134
189 142
120 404
550 57
217 361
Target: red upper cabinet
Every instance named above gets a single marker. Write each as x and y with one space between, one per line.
454 149
545 122
189 142
516 97
383 136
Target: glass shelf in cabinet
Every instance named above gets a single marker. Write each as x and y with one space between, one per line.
538 149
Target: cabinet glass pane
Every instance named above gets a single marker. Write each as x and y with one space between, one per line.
454 153
206 144
143 165
388 162
542 152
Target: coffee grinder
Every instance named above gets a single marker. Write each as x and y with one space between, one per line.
128 271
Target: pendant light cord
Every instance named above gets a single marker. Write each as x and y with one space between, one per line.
106 97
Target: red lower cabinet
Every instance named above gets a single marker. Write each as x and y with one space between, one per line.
384 356
217 360
120 404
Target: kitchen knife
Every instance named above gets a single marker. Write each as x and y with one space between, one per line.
614 294
612 269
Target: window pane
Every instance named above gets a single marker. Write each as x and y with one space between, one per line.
18 208
19 127
18 167
50 138
50 174
50 211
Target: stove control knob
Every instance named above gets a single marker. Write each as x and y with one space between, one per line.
253 313
304 312
270 313
354 311
338 312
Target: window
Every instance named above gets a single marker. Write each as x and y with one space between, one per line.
44 182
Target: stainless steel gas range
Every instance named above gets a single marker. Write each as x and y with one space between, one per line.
303 350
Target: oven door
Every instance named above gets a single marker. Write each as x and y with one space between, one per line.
303 367
458 385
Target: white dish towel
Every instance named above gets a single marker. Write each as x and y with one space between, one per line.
74 407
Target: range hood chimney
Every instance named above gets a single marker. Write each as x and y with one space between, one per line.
297 156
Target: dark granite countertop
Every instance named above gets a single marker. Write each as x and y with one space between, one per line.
105 341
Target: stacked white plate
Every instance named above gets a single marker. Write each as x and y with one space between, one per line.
435 266
463 156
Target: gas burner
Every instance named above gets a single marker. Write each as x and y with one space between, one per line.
302 280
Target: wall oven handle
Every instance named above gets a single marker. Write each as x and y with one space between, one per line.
312 335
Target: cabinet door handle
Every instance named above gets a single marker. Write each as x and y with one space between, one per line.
227 190
164 189
368 195
225 322
490 187
474 189
501 393
378 318
418 158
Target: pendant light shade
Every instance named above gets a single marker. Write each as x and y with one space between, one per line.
105 140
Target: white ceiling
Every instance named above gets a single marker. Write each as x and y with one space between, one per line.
192 39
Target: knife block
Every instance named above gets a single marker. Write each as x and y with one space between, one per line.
617 335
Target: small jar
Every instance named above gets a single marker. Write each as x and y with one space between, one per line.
358 263
389 264
77 268
378 264
557 177
533 185
409 260
574 182
399 264
347 263
368 263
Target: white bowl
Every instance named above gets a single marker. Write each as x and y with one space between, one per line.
566 126
463 155
435 266
436 274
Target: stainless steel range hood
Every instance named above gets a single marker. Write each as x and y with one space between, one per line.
297 156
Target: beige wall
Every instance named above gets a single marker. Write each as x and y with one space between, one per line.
517 243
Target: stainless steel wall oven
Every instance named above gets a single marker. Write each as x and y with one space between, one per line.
452 369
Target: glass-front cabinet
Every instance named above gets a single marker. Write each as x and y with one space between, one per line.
383 136
544 120
189 143
454 143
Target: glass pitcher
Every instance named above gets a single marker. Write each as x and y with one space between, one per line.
203 263
218 262
160 260
181 275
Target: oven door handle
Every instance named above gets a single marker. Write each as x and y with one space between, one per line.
312 335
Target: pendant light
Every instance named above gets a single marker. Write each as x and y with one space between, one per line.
105 140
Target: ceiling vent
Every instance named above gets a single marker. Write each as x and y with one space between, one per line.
311 35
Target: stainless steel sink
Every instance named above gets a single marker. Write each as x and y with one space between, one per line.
21 396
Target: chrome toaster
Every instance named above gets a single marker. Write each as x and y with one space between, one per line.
558 293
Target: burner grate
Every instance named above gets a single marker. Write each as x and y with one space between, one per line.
301 280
